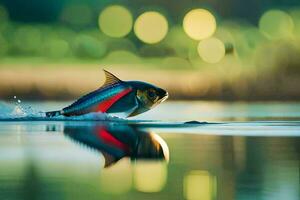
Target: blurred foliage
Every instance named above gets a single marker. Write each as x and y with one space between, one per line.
269 45
236 51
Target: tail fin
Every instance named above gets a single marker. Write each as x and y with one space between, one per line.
53 113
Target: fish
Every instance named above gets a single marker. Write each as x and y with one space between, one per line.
117 142
130 98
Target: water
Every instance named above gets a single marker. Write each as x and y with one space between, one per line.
243 151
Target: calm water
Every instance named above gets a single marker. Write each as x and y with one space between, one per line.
245 151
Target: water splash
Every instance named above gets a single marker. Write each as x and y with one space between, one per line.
20 112
17 110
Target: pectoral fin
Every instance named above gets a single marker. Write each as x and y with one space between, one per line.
138 111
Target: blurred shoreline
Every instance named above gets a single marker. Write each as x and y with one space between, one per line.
199 55
70 81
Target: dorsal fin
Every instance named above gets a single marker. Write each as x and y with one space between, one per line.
110 79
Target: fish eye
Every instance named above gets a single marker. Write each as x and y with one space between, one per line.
151 94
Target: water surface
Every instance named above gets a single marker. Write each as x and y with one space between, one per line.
244 151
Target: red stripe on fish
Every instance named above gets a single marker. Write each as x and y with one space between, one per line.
109 139
105 105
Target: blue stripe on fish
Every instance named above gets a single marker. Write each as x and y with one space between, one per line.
89 102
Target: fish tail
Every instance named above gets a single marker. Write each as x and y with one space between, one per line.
53 113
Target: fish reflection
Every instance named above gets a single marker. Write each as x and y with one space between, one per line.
118 141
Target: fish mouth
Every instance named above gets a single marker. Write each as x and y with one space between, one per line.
164 97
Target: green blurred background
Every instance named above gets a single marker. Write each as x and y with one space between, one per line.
205 49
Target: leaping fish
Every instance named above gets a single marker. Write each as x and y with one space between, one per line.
116 96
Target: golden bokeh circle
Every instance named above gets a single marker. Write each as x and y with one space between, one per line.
276 24
211 50
115 21
199 24
151 27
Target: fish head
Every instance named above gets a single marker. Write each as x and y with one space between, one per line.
147 95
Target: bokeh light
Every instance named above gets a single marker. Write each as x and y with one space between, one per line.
150 176
199 24
151 27
246 41
86 46
115 21
56 48
211 50
199 185
27 40
117 179
276 24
